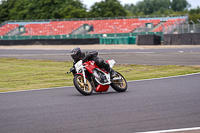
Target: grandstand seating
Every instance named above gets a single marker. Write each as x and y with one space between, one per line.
52 28
6 28
170 22
99 26
119 25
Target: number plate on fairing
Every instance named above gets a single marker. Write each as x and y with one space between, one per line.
111 63
78 65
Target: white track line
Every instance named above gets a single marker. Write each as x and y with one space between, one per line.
173 130
166 77
127 81
35 89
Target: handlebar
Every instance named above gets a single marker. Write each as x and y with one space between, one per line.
71 69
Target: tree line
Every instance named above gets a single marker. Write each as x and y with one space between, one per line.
158 7
63 9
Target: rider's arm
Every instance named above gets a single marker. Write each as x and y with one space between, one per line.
89 55
94 53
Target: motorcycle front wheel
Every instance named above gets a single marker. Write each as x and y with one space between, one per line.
119 83
85 89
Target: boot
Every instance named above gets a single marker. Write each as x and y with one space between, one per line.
109 69
112 73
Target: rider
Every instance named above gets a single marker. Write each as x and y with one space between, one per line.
77 55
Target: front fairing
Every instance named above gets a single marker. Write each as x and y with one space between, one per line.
78 66
90 66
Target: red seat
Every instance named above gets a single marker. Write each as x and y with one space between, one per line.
7 28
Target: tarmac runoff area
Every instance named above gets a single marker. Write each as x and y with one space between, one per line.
97 46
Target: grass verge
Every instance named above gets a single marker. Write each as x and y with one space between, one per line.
22 74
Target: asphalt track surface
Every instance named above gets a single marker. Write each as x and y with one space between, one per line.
148 105
175 56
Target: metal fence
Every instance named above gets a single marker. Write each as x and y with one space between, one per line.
162 17
185 27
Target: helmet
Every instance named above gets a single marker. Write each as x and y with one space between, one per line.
76 54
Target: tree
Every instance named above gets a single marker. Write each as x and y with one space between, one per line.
73 9
19 10
132 9
158 7
180 5
107 8
194 14
197 10
5 7
41 9
149 7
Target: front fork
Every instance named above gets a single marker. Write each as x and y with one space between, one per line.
83 74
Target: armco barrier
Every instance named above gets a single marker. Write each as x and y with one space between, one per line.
181 39
50 42
148 40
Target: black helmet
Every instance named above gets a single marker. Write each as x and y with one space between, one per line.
76 54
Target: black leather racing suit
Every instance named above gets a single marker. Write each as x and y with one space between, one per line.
88 56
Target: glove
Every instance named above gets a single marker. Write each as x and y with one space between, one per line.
87 54
71 69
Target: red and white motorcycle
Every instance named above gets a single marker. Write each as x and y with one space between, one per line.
88 77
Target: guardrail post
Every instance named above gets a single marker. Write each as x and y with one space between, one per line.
172 27
163 27
167 28
51 32
182 25
188 26
193 26
115 29
177 27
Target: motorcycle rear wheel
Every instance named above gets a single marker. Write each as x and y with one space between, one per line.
119 85
85 89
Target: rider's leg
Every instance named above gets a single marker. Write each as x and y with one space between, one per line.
103 64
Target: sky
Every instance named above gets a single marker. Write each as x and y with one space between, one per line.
89 3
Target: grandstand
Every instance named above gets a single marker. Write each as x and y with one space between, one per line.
87 28
7 28
170 22
99 26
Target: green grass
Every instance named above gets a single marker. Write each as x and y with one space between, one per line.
22 74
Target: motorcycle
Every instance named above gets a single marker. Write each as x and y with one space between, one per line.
88 77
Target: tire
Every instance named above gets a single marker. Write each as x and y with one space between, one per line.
81 87
119 85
